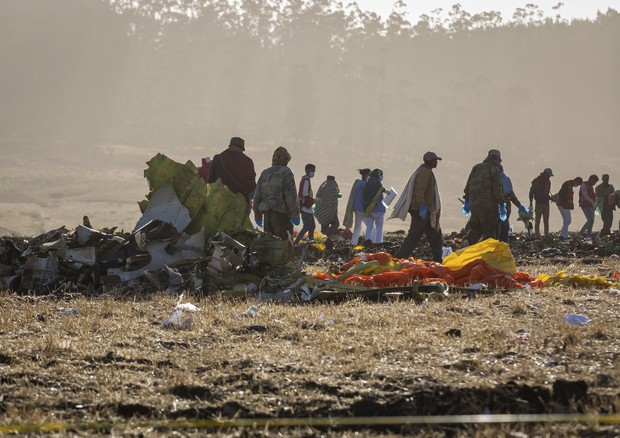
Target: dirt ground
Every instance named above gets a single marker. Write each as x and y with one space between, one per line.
86 366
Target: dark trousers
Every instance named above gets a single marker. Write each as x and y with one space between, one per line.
504 226
419 227
330 228
309 227
607 216
541 211
278 224
484 222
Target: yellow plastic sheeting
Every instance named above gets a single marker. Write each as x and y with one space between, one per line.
163 169
223 211
212 206
497 254
188 186
576 280
319 246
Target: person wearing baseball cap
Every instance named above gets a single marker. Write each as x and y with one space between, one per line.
540 191
420 198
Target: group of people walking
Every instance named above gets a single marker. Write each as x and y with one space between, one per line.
365 204
492 197
592 199
279 203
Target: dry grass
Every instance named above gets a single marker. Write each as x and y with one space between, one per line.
114 361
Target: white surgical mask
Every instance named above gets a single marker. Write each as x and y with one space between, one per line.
381 178
310 174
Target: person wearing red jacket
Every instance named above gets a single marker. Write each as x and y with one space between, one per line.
205 169
586 202
306 200
565 203
234 169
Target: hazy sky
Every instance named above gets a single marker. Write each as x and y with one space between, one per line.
570 9
546 97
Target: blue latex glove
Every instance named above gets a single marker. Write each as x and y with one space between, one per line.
259 223
502 212
523 209
422 212
465 208
295 221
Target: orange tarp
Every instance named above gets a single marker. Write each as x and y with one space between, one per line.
402 272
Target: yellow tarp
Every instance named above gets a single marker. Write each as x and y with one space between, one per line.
212 206
576 280
497 254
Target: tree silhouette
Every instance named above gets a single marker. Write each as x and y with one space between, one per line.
303 71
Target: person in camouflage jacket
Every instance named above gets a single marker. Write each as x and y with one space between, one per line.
484 197
275 198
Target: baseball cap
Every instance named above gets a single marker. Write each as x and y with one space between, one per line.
430 156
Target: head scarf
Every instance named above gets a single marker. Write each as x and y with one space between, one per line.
281 156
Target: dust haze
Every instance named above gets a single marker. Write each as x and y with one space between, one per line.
92 89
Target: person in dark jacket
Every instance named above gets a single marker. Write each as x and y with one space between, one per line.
540 191
614 201
234 169
565 203
586 202
484 197
602 192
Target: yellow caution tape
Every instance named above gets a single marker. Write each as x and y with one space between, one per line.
319 422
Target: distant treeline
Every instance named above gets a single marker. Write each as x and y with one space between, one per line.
165 72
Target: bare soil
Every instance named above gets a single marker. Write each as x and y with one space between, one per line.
85 366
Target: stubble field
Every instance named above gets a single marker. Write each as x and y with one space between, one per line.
76 365
86 366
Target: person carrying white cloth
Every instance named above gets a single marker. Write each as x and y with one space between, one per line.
421 199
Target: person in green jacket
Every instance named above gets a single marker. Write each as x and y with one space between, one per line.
374 208
275 198
484 197
602 192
